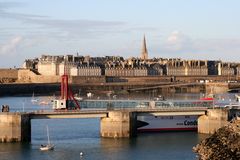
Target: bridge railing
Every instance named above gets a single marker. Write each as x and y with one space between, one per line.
145 104
207 104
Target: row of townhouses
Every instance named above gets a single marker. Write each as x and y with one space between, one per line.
118 66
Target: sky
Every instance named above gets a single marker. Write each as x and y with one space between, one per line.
187 29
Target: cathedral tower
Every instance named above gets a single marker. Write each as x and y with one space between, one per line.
144 54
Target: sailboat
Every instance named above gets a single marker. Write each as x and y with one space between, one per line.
34 100
77 96
48 146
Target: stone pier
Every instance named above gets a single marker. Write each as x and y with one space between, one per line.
212 121
119 124
15 127
216 88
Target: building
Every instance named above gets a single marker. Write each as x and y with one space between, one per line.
226 69
179 67
127 71
84 70
155 69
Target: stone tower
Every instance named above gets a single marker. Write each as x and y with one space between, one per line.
144 54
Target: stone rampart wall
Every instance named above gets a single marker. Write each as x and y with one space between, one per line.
27 76
8 73
88 79
139 79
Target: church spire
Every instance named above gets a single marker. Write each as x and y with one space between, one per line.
144 54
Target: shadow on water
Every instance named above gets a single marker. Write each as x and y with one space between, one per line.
14 151
165 145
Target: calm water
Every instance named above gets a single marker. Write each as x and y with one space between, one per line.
72 136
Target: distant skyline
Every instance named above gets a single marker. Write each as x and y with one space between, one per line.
191 29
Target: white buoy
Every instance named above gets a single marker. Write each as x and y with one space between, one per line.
81 153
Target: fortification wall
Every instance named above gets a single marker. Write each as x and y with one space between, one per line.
87 79
142 79
27 76
8 75
149 79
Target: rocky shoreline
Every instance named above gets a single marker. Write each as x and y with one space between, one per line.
224 144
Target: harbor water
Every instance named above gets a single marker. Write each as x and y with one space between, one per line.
73 136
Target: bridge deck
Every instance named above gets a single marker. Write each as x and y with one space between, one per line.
104 113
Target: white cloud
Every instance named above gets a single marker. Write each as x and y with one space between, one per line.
177 41
181 45
11 46
174 37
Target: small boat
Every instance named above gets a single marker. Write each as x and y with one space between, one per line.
43 103
209 97
48 146
78 98
237 97
34 100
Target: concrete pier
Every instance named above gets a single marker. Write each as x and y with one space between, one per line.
212 121
15 127
216 88
119 124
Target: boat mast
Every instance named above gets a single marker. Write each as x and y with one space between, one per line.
48 136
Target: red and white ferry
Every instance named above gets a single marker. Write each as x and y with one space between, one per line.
167 123
172 123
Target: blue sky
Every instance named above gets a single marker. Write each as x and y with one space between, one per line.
188 29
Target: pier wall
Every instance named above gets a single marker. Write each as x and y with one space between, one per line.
15 127
216 88
212 121
119 124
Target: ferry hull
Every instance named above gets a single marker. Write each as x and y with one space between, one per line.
167 123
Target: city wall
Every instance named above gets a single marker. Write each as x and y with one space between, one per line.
87 79
8 75
35 83
165 78
28 76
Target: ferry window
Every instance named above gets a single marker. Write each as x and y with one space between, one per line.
171 117
187 116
